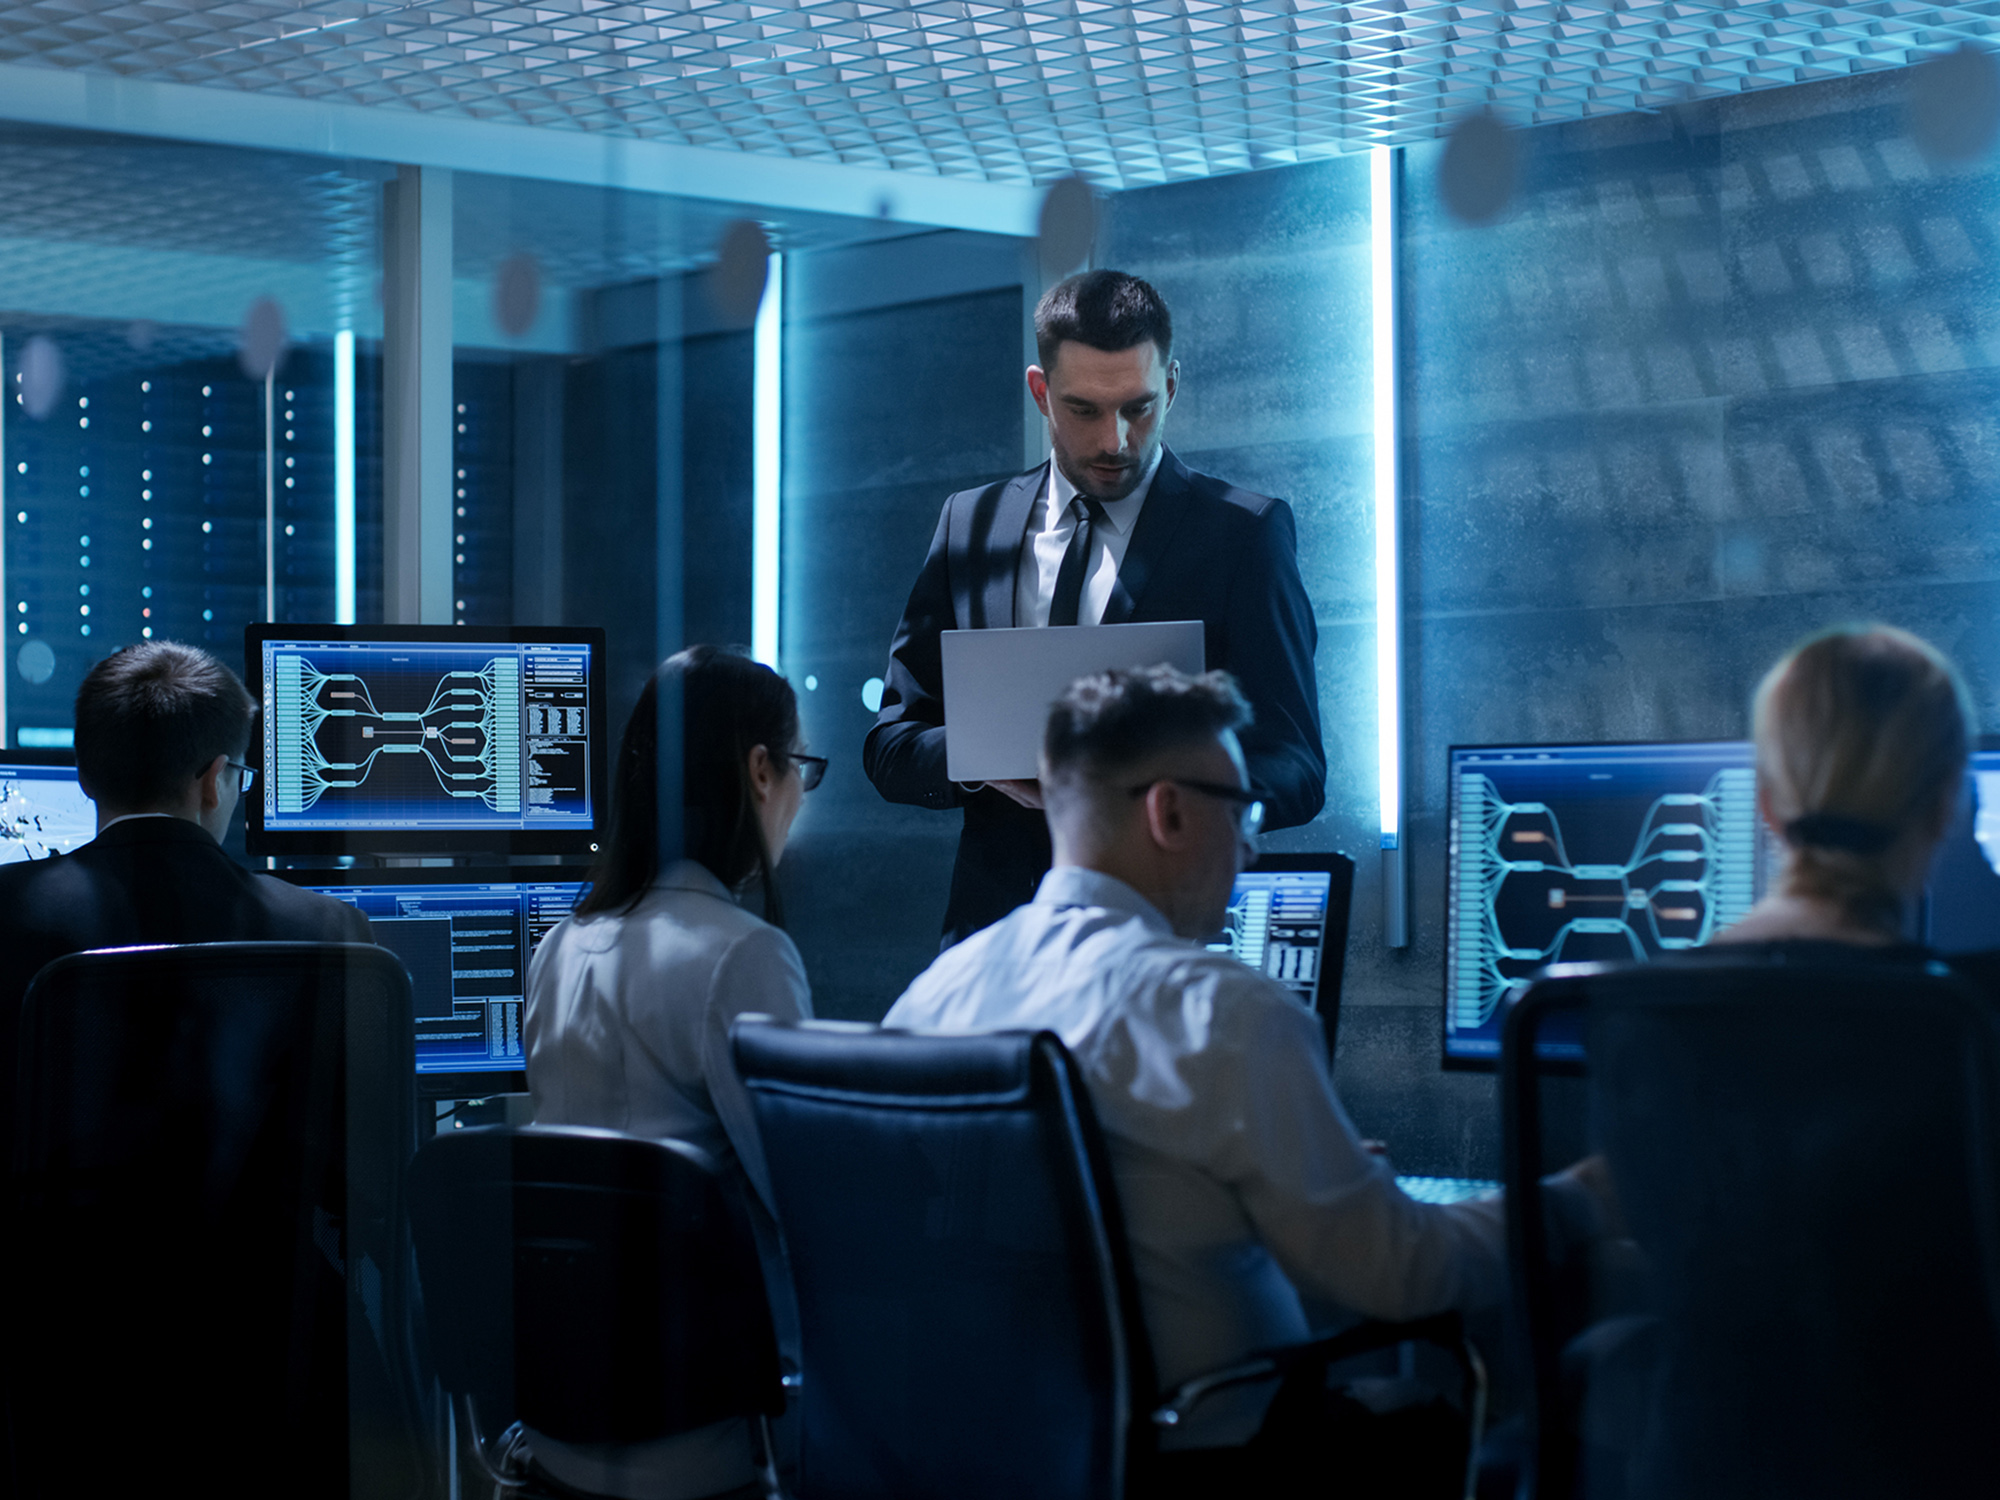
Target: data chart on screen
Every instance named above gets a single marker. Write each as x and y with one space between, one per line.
42 812
467 945
426 736
1587 853
1277 926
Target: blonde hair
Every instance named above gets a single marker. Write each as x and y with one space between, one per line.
1862 734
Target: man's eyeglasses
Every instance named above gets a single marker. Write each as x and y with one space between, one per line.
1249 806
812 771
246 776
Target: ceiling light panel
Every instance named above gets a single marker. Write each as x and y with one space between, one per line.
1125 94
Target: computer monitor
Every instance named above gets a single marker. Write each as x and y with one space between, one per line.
466 937
42 809
1288 919
1961 909
416 739
1579 853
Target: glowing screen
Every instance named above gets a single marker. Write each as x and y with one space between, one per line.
380 735
1580 853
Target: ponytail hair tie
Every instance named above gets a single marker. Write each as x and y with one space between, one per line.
1832 831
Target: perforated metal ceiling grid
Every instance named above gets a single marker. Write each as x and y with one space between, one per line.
1010 92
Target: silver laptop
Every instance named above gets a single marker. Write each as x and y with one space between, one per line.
998 684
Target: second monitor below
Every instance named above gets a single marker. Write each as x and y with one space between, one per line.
466 936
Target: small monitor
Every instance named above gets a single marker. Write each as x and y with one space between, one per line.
1961 910
466 937
1288 920
42 809
1587 853
426 740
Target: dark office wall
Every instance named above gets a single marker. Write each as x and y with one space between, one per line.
1723 375
617 480
903 368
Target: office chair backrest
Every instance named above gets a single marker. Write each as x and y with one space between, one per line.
967 1318
209 1245
599 1287
1801 1145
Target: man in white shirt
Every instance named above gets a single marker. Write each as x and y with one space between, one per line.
1253 1208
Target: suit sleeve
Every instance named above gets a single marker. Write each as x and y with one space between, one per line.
904 751
1271 640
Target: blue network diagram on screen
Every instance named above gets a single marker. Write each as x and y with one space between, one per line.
42 812
366 735
1582 853
467 946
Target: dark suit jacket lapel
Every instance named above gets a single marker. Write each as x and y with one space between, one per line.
1159 522
998 529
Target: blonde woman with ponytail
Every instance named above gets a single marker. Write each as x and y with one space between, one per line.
1862 735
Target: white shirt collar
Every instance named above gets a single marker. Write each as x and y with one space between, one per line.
691 875
1120 515
1077 885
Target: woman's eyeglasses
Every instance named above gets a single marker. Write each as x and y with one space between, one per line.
812 770
1249 806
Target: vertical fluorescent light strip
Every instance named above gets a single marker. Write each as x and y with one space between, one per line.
1388 540
343 478
767 464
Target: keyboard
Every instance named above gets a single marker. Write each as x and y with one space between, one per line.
1446 1189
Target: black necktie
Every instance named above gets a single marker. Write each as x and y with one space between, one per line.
1068 597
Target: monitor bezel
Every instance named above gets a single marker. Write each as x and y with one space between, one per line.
1446 1061
498 844
49 760
480 1083
1340 895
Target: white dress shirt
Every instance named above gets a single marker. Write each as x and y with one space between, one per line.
628 1029
1247 1195
1052 523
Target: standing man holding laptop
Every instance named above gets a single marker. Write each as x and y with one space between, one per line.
1112 530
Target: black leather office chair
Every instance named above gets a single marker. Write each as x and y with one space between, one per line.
1803 1297
969 1320
597 1287
209 1253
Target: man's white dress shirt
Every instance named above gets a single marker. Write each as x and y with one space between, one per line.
1051 524
628 1029
1247 1195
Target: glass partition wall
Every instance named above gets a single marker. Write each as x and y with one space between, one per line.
194 435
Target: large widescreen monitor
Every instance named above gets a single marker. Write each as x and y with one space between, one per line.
1581 853
426 739
466 937
42 809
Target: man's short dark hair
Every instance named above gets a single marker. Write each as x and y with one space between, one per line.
1112 721
1107 310
150 717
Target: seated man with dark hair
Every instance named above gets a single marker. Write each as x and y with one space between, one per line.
161 734
1254 1210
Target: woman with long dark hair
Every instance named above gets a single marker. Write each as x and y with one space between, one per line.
631 998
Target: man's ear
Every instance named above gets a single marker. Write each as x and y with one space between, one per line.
1038 387
1173 384
1166 815
210 781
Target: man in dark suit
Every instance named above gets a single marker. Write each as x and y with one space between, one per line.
1113 528
161 732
